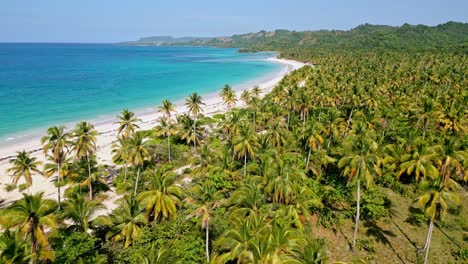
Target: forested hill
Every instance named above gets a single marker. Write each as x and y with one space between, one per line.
364 36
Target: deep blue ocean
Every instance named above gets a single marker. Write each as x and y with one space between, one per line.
52 84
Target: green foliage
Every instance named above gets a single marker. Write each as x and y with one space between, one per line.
182 240
75 247
9 187
366 244
375 205
417 217
461 254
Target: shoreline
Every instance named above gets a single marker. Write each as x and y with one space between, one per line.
107 131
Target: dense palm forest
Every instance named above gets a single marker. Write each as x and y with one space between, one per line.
359 159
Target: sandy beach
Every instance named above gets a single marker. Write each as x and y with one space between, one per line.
108 135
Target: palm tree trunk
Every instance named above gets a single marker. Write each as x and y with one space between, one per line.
194 134
349 120
58 184
33 246
254 120
90 189
169 147
126 169
89 176
308 158
357 213
329 141
136 182
428 241
206 245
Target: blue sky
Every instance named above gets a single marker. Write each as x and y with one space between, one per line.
120 20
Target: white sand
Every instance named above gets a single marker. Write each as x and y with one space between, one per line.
108 135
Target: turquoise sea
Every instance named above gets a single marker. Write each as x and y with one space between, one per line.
52 84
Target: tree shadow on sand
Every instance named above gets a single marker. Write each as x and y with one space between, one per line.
381 235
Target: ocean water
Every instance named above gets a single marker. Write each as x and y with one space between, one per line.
51 84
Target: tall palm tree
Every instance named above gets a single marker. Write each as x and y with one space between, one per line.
161 200
244 144
185 126
127 123
434 201
84 143
96 177
167 129
194 105
229 96
32 215
121 150
206 199
137 155
23 166
166 108
57 142
127 221
360 163
256 91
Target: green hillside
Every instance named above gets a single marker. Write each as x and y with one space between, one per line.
362 37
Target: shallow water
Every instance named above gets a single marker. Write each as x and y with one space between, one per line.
52 84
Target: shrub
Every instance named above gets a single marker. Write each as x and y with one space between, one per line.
416 217
366 244
375 205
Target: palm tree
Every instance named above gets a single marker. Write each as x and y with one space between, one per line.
121 152
313 251
160 202
284 180
256 91
81 212
13 248
166 108
57 142
185 126
194 103
127 123
32 215
421 161
127 220
434 201
361 163
167 129
95 177
244 144
229 96
206 199
154 255
248 198
85 144
454 157
245 96
23 166
240 240
137 155
314 141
